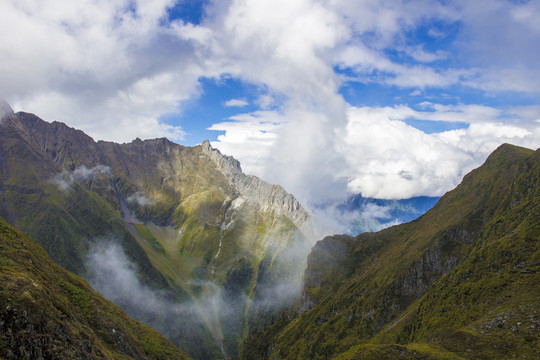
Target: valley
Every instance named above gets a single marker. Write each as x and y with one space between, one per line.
227 266
193 229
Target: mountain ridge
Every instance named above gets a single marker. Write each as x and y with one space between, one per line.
269 197
392 293
194 231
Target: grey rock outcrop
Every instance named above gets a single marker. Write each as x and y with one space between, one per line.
268 197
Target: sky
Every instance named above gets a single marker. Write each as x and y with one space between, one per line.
390 99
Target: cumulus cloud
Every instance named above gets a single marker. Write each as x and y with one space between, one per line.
323 150
95 64
249 137
115 69
236 103
280 45
386 158
394 160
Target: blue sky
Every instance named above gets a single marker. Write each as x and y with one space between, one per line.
389 98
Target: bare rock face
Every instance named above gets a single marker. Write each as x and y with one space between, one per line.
268 197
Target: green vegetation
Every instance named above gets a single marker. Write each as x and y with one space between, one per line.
47 311
77 296
461 282
180 220
150 239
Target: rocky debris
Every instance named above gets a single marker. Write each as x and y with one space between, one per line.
25 337
524 320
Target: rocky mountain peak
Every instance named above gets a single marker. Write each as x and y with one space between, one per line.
228 165
269 197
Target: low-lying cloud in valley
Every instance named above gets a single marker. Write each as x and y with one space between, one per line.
117 278
112 274
140 199
110 271
65 180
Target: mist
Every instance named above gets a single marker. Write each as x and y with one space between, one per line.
65 179
140 199
5 110
117 278
112 274
212 310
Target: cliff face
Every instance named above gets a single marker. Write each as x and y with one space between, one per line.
270 198
459 282
193 224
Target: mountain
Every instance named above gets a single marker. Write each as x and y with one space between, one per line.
460 282
47 312
177 236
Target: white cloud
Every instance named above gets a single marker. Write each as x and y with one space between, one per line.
281 46
66 179
382 156
419 54
249 137
140 199
236 103
499 39
114 68
106 67
389 159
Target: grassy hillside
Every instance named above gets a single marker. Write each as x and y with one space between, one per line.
47 312
460 282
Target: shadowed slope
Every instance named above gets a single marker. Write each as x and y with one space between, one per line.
47 312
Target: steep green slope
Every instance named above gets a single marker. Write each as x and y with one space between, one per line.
462 281
47 312
40 196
